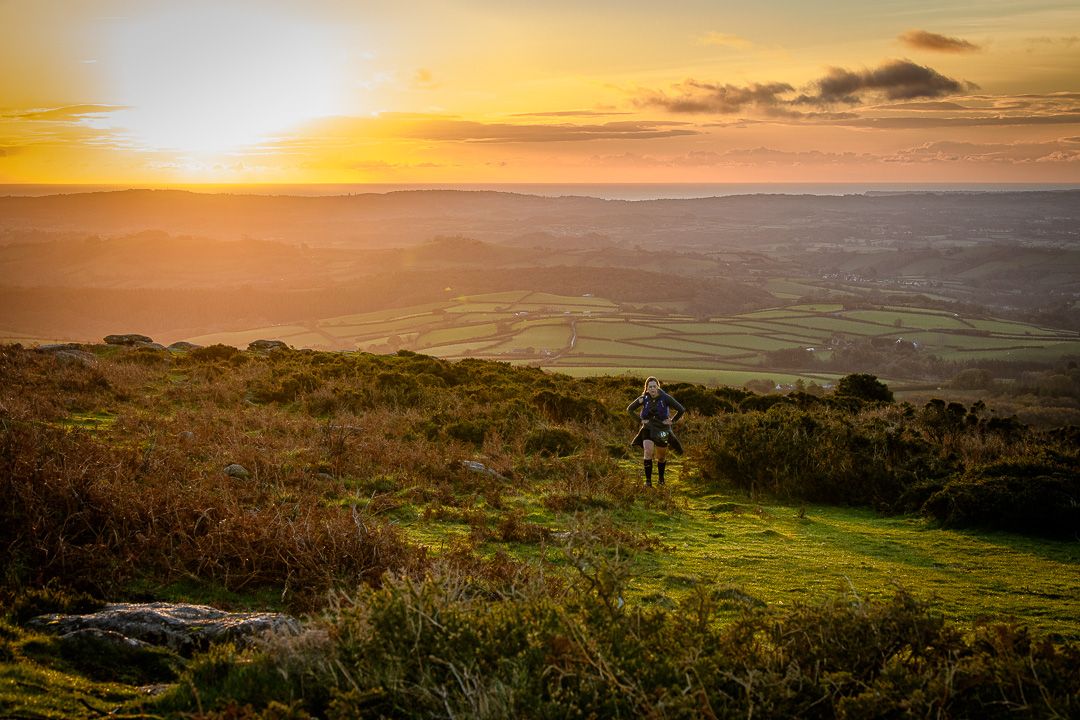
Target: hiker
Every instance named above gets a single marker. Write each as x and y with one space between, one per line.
655 435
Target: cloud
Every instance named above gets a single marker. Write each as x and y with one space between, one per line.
1073 139
924 105
447 128
1019 153
1068 41
470 131
896 80
923 40
692 96
893 80
738 157
920 123
928 153
573 113
65 113
725 40
424 80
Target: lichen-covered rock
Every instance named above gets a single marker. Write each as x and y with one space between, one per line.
127 339
68 353
183 346
267 345
182 628
237 471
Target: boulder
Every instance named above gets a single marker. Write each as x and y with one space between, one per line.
179 627
237 471
183 346
268 345
69 353
151 345
127 339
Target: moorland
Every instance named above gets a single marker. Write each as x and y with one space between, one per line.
471 538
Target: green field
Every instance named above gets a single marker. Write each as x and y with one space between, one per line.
538 328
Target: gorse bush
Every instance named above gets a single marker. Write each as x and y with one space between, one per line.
944 460
435 648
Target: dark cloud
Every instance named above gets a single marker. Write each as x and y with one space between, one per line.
924 40
692 96
69 112
896 80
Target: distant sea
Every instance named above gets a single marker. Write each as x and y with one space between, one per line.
626 191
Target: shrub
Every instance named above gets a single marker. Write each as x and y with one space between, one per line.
862 386
1039 496
440 647
559 442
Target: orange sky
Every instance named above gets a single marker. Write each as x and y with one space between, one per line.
339 91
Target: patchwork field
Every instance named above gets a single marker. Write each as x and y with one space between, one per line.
594 335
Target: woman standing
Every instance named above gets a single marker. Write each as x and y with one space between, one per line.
655 434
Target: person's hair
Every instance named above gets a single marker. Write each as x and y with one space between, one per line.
649 380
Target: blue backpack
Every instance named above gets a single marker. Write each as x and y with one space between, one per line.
657 408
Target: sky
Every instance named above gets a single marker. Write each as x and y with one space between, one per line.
148 92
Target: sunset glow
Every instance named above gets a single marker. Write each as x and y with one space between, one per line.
155 92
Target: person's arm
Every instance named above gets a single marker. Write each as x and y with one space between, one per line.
679 409
632 407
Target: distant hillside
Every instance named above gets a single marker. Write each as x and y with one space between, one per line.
397 218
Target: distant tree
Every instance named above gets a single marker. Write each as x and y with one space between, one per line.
863 386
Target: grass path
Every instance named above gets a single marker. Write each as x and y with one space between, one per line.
782 553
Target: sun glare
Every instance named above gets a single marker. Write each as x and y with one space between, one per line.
212 79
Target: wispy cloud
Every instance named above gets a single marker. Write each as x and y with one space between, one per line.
470 131
694 96
424 79
64 113
927 153
926 123
573 113
923 40
993 153
449 128
725 40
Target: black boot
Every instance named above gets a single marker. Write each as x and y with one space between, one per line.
660 466
648 473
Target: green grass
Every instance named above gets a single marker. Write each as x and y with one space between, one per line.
29 690
784 553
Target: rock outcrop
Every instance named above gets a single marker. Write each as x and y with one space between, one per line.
179 627
267 345
131 339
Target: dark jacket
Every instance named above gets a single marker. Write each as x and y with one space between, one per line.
651 425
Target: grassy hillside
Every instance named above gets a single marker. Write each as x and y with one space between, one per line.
786 512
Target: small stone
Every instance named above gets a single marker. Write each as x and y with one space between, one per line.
237 471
